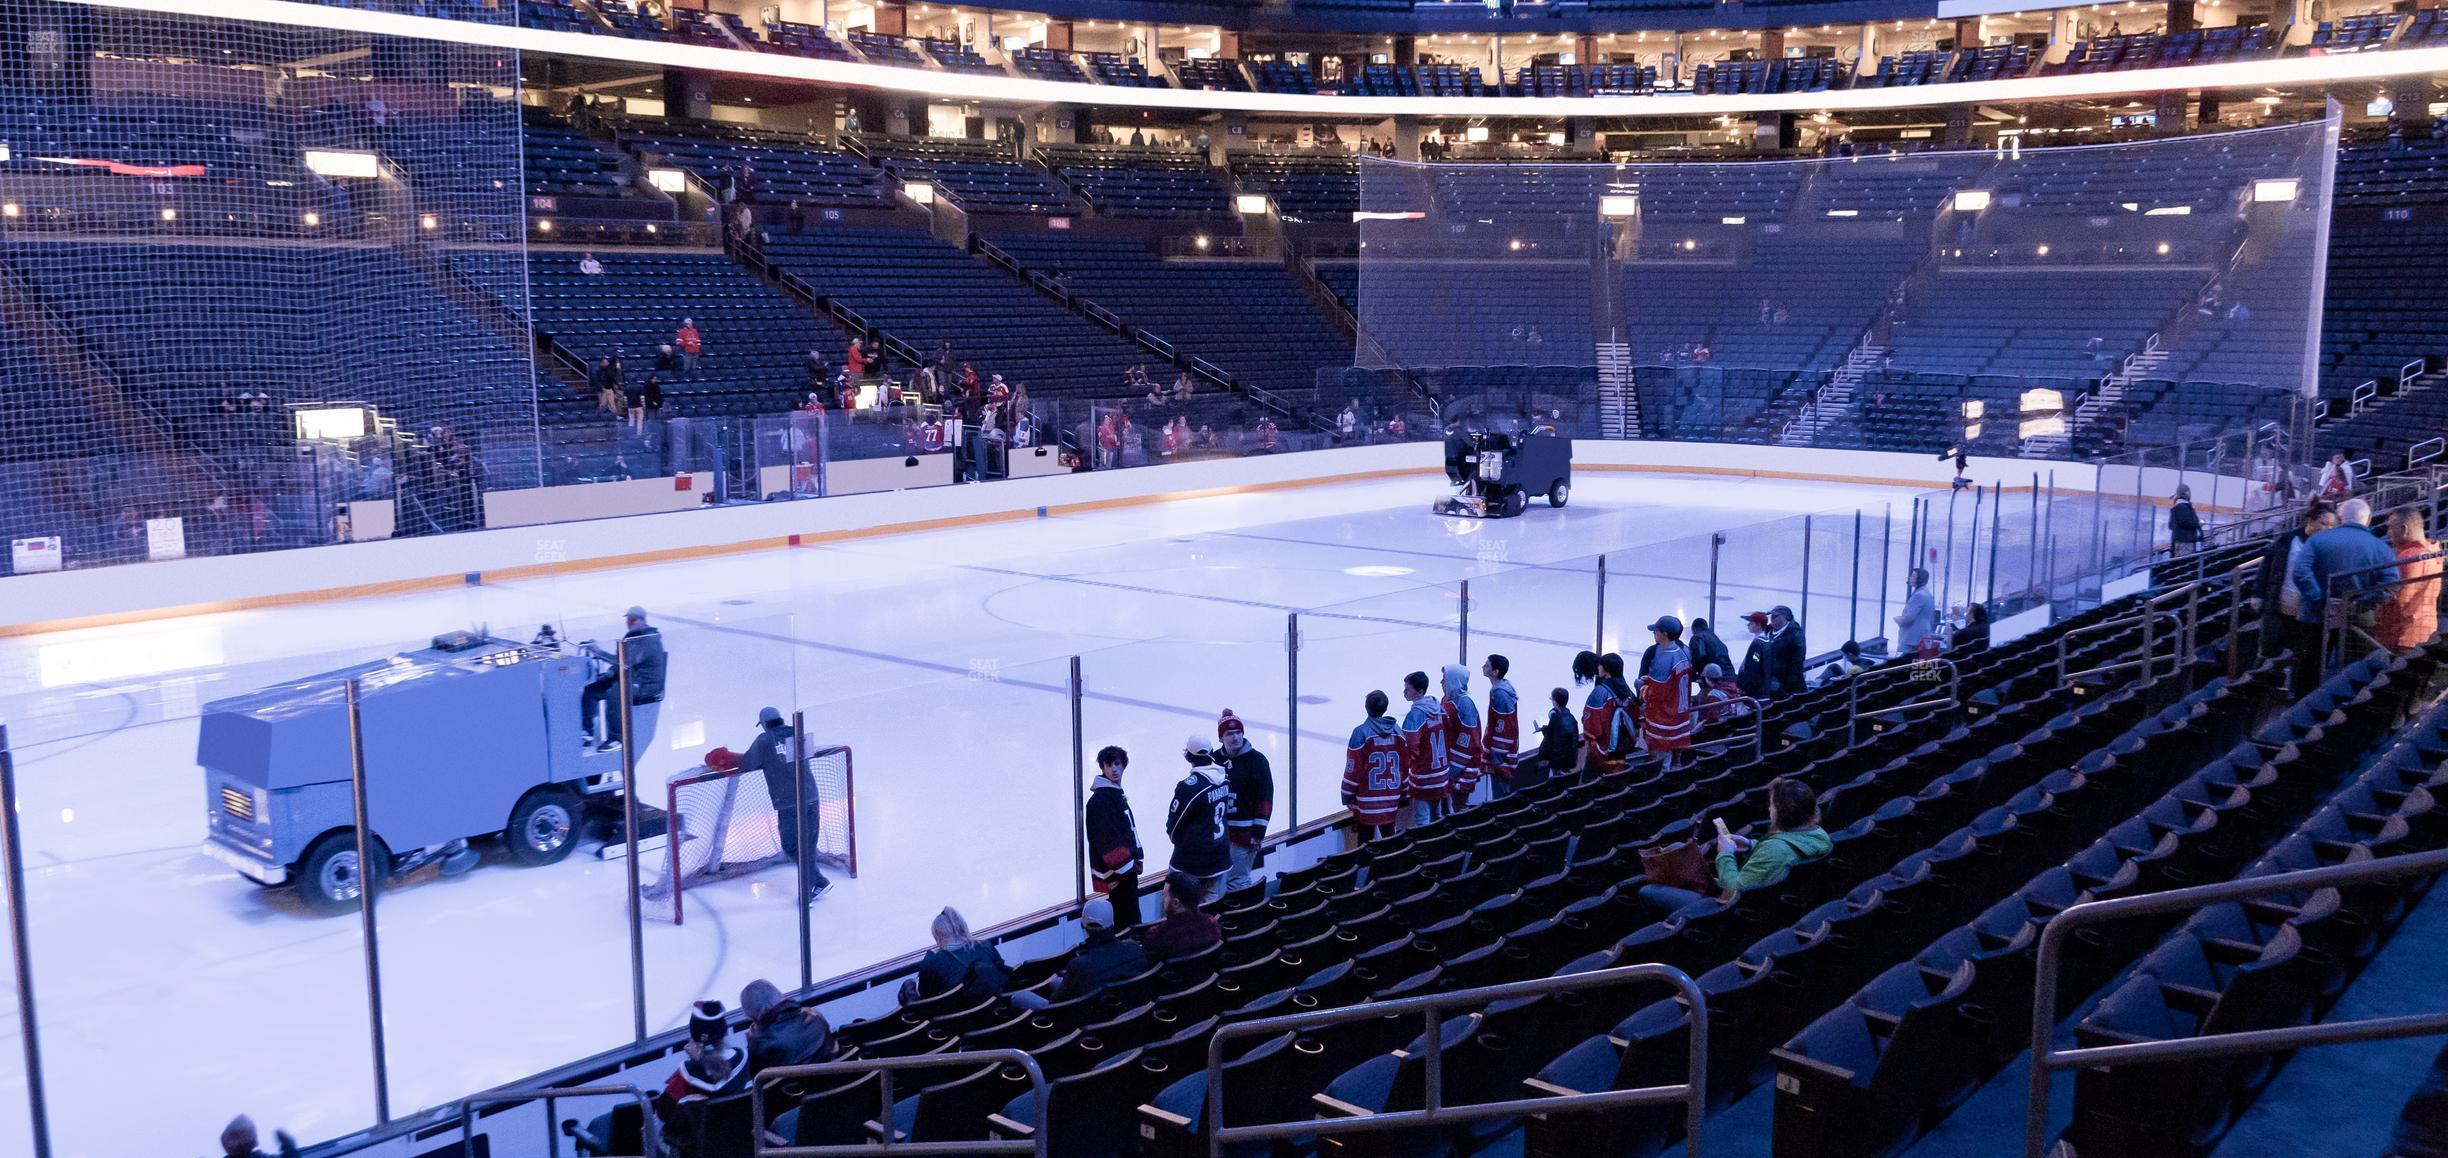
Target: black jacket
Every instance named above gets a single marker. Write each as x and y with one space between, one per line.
1706 649
1252 780
2184 523
1786 659
1113 835
1104 959
1195 822
646 663
790 1034
1756 675
1560 741
770 754
977 965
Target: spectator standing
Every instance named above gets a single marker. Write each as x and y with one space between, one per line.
1372 772
1195 822
239 1140
1185 929
2184 523
1109 440
2337 479
2409 615
854 359
958 960
667 360
791 789
690 342
1786 651
1756 676
604 378
647 404
819 371
1918 621
1666 722
1609 697
1113 837
1464 758
1252 781
2344 562
1500 744
781 1031
588 266
1348 422
1559 749
1266 435
2282 626
1706 648
1427 771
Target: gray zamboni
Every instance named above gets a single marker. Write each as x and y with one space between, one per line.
472 737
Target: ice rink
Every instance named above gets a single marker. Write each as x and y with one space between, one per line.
175 993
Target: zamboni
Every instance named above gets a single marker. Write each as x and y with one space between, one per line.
470 737
1499 472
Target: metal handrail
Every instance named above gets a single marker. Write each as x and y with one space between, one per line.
1918 670
2425 451
2407 373
2362 394
884 1068
650 1129
2046 1060
2154 609
1693 1093
2336 614
1759 727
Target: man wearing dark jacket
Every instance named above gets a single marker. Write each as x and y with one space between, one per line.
1195 821
2184 523
1103 959
1757 677
1114 856
1252 781
644 647
1786 653
1706 648
771 753
1186 929
782 1032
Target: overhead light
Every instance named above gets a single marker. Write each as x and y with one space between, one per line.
313 219
10 210
2275 189
667 180
1732 220
2176 210
2163 248
1844 212
1514 245
1971 200
1202 241
427 222
1250 204
1475 134
169 214
1690 245
1619 205
2042 251
544 225
331 423
342 163
921 192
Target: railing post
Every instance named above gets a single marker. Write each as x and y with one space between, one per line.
1806 570
369 878
1598 641
2031 564
21 955
629 837
1997 528
1716 549
1948 571
1886 560
1079 793
1464 634
805 818
1852 603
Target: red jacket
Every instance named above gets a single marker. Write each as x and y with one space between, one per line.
1372 771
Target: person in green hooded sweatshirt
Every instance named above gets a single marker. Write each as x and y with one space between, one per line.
1742 864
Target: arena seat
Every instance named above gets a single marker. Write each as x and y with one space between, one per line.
978 176
1126 182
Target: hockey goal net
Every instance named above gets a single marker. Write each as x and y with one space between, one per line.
724 824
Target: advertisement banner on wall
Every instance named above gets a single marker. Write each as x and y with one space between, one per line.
27 556
165 538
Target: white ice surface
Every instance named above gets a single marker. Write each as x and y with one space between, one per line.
173 993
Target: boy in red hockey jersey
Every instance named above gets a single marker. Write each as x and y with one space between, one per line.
1500 744
1372 772
1426 770
1462 724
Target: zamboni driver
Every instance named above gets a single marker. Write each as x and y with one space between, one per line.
646 660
